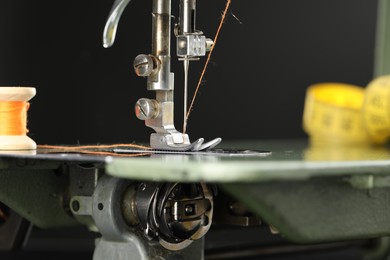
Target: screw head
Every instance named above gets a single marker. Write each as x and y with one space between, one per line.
189 209
209 44
76 205
146 109
142 186
144 65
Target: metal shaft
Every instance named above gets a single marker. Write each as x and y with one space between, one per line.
163 81
187 16
186 63
161 37
187 26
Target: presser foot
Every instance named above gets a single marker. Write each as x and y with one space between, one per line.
180 142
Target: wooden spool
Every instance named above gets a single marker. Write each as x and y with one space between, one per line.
16 142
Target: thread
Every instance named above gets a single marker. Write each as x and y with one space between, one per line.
98 150
86 147
223 18
13 118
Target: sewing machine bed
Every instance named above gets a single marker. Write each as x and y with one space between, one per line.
310 194
277 160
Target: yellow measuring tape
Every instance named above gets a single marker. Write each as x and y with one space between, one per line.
349 115
376 109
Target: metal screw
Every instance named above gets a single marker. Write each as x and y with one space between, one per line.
100 206
145 65
76 205
142 187
189 209
274 230
146 109
209 44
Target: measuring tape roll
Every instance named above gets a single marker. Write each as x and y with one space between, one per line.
347 114
376 109
333 114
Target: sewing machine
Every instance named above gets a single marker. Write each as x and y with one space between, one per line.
163 204
191 44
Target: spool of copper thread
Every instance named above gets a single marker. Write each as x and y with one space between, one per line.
13 119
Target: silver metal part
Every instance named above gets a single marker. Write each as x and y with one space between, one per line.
191 45
159 114
187 16
210 153
173 140
133 249
161 46
184 45
146 109
106 209
81 205
133 216
117 242
160 142
185 105
211 144
146 65
136 248
209 44
112 22
166 136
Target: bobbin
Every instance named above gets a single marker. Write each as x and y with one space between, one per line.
16 143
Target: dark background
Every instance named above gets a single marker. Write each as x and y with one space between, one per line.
255 86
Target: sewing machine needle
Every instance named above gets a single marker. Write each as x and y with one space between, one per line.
186 63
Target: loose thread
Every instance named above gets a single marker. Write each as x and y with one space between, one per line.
112 154
13 117
223 18
85 149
